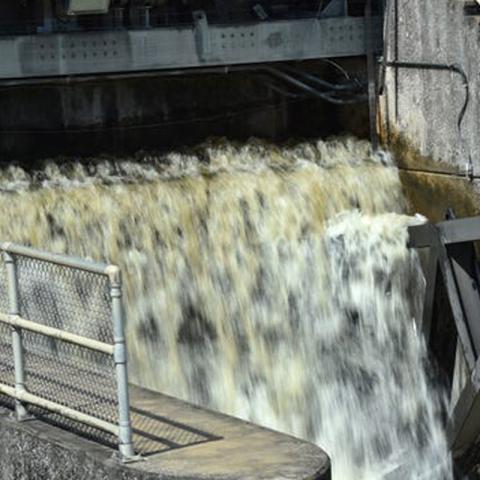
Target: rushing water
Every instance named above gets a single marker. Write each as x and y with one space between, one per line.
269 283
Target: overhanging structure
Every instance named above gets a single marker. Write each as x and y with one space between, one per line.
171 48
72 46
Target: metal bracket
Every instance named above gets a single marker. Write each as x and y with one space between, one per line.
202 34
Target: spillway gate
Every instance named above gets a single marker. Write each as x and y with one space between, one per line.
67 352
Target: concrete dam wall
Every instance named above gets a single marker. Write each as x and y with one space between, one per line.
121 116
421 108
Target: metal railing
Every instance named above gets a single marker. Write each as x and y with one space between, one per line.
67 352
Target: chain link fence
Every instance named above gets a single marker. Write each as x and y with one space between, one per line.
62 345
7 375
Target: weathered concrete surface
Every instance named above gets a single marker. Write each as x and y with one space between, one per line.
155 113
431 195
423 106
420 108
234 450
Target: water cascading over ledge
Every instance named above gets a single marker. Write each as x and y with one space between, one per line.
270 283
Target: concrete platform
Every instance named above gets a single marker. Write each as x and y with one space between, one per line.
177 441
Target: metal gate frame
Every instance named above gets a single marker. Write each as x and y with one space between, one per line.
453 257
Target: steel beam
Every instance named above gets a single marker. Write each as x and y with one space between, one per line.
464 266
451 231
431 281
460 431
456 303
203 45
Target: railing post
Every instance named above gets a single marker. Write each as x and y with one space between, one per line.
17 345
120 357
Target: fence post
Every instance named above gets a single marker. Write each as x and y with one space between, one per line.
17 345
120 357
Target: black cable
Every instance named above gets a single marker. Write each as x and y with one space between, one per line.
455 68
327 96
347 88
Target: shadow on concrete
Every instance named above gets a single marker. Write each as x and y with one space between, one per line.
156 434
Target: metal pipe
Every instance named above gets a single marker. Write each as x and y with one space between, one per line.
62 260
372 84
224 70
18 322
17 344
283 92
26 397
299 84
319 81
101 77
120 356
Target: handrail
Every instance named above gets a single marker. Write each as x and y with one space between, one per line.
122 430
62 260
17 321
60 409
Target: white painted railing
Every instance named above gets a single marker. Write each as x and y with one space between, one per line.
62 296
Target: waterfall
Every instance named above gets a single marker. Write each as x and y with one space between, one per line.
271 283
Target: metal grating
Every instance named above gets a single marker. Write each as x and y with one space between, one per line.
71 376
66 298
6 353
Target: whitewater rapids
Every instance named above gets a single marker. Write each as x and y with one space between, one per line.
271 283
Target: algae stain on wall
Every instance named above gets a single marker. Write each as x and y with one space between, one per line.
431 187
432 194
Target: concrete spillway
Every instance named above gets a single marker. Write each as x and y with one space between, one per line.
269 283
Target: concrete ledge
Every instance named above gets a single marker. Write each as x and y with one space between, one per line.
234 450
